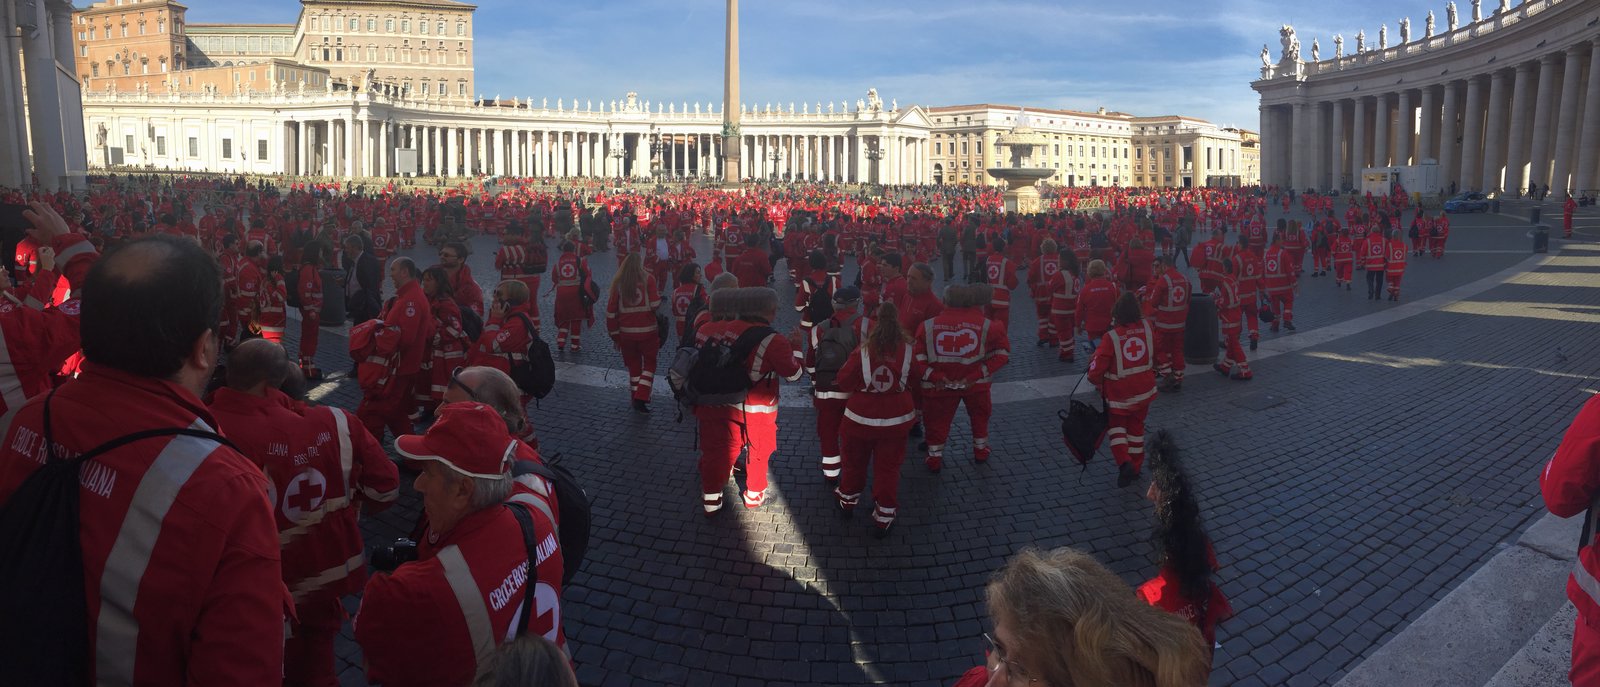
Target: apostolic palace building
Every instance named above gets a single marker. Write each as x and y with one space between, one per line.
1501 97
377 88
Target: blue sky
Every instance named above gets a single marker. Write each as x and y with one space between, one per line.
1146 58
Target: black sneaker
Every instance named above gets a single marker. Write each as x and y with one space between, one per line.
641 407
1288 325
922 446
1126 475
1254 342
916 430
882 531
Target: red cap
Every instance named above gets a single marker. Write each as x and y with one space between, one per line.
468 437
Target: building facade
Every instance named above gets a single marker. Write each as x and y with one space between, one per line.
421 46
129 42
1499 102
1185 152
375 132
1085 149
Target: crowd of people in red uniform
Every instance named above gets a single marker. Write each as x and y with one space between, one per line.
889 358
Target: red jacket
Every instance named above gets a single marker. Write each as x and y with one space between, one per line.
960 346
1041 274
1122 367
1206 259
193 594
751 267
1168 300
1344 250
773 358
1397 258
271 306
1095 301
466 291
503 341
36 340
310 284
247 291
569 277
1249 271
1001 275
412 627
682 298
1228 303
1570 482
1277 275
1165 593
1374 252
410 316
635 319
916 308
880 403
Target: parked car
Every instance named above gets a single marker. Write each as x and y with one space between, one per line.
1467 202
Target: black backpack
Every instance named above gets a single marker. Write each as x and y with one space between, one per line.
572 527
538 256
536 375
44 629
820 307
696 306
718 376
472 325
833 350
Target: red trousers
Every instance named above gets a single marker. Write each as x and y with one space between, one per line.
1064 334
1341 272
886 454
1047 329
1126 436
1419 244
310 330
998 313
1250 314
532 281
1319 260
639 354
830 413
1393 279
1234 353
308 651
723 437
1585 655
1282 304
389 408
1169 353
939 412
572 329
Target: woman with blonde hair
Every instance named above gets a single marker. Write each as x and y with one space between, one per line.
1095 300
878 416
1061 618
631 322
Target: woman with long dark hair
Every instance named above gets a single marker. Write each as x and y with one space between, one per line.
877 417
1183 549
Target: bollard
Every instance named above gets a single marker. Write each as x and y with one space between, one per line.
1541 239
332 297
1200 331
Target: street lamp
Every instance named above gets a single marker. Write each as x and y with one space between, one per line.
617 154
875 154
657 147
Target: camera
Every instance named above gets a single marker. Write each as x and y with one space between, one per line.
387 558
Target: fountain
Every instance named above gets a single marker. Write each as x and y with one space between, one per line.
1020 177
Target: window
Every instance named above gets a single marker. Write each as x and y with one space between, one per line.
124 30
426 57
141 28
83 51
372 24
422 27
388 54
261 149
144 67
388 25
127 68
938 148
963 147
355 24
405 26
372 54
313 23
461 57
405 55
440 28
980 147
91 33
194 147
461 30
462 88
127 142
161 145
339 54
227 148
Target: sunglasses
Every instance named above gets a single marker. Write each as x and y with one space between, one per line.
455 381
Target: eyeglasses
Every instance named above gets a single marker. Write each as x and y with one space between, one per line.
451 256
1015 673
455 380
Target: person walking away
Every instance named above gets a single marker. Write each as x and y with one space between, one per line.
309 282
877 417
447 347
1278 278
505 337
1095 303
572 312
1063 302
831 345
631 323
1375 255
962 350
1396 267
1229 312
1248 268
1344 259
1001 276
1040 273
1123 371
1167 298
1568 209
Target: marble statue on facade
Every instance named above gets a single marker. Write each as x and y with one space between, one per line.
632 104
1338 46
791 107
1361 41
1291 45
1428 27
697 108
894 105
1505 6
561 105
830 107
1450 15
1316 51
860 105
1405 30
874 103
672 108
100 136
1383 36
1477 11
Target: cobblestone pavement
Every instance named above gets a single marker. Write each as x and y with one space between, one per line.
1347 488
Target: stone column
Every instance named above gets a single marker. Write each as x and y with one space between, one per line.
383 149
349 148
1494 137
1472 143
1427 147
1299 160
1382 124
1567 121
1336 148
1521 104
1358 142
1404 130
497 138
449 143
1589 139
1449 130
1544 105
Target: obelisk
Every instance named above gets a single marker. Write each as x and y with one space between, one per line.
731 142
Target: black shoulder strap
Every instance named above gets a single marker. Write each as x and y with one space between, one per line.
124 440
530 539
527 323
748 341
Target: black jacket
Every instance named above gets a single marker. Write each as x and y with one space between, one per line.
368 273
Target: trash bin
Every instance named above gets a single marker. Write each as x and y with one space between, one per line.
1534 215
1541 239
332 297
1494 206
1200 331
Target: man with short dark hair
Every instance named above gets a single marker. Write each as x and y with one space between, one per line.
363 280
179 547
